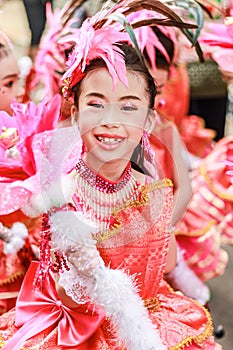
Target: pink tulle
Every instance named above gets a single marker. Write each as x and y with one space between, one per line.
38 164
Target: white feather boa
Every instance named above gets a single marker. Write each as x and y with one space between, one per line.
113 290
56 194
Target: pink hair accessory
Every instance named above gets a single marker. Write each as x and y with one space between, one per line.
93 43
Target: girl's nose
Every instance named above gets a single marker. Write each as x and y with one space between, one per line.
110 115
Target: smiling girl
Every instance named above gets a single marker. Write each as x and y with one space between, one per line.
112 242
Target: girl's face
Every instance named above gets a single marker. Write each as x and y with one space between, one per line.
10 88
111 120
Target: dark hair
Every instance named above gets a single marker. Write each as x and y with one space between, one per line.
133 62
161 62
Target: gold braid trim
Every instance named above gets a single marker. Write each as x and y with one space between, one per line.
142 200
12 278
197 233
220 194
152 304
2 342
199 339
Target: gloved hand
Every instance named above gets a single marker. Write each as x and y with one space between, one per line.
86 259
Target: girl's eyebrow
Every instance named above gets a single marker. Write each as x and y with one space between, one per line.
10 76
129 97
95 94
160 86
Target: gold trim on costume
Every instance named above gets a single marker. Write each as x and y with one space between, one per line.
212 187
197 233
143 199
2 342
152 304
199 339
12 278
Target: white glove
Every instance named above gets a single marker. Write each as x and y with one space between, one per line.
86 259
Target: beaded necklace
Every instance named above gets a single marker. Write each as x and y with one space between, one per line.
98 196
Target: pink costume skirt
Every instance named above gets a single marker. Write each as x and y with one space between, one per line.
41 321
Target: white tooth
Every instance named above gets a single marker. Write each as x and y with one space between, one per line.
109 140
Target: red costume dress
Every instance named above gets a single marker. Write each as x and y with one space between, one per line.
137 243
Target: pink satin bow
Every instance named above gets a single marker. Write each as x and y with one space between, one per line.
36 311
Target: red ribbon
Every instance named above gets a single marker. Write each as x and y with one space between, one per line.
38 310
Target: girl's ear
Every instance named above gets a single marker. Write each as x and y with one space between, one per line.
150 121
73 110
74 113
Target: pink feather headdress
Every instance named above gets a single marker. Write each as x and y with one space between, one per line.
147 38
93 43
98 37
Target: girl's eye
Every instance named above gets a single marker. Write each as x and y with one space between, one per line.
9 84
129 107
96 105
160 89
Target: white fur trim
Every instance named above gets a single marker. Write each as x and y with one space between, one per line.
115 291
55 195
19 233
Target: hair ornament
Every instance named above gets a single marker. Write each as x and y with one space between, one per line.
99 35
147 38
91 44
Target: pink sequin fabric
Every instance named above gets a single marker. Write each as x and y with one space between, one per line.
182 323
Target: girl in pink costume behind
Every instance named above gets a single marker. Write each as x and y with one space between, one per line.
10 86
19 233
15 252
109 227
208 220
